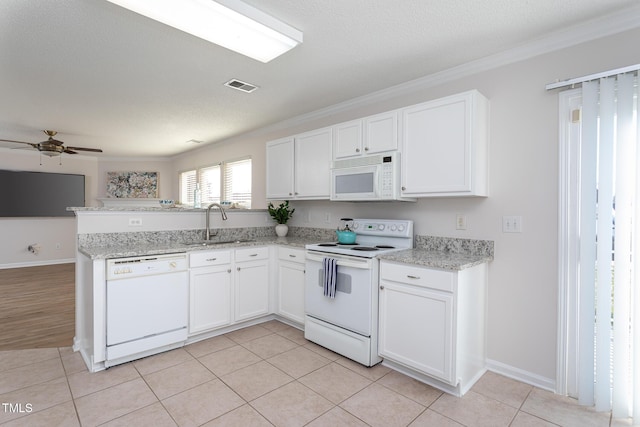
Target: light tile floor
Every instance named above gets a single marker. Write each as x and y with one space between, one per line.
264 375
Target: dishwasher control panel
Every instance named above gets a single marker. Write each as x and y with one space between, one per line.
123 268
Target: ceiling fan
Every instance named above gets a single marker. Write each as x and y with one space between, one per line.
52 147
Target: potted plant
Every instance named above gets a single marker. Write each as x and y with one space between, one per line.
281 215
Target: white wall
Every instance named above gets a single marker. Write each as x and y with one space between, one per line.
55 236
522 318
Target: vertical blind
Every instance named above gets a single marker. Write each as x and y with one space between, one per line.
609 303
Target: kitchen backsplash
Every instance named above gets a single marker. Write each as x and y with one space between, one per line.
163 237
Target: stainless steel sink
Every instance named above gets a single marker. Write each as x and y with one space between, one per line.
216 242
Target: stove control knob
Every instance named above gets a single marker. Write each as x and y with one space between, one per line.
355 226
393 227
401 227
380 227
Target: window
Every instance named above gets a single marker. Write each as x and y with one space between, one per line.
224 182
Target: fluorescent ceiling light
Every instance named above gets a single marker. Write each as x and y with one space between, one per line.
229 23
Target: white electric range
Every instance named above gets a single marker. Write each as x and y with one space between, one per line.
348 322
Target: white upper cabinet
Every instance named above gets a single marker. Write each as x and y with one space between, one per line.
373 134
347 139
299 167
280 169
381 132
444 147
313 164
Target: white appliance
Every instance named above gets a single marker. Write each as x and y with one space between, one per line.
374 177
348 323
147 306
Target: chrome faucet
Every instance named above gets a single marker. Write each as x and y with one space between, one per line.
222 212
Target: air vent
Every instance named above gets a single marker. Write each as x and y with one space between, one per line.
240 85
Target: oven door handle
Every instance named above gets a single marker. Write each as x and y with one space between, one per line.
363 263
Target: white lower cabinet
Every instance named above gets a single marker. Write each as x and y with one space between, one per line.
291 270
209 290
432 323
226 287
251 283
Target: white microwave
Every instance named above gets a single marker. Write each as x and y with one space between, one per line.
368 178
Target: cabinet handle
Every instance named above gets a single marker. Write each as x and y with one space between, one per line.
412 277
366 148
381 287
403 188
290 194
357 150
296 193
292 256
211 259
253 255
238 268
229 270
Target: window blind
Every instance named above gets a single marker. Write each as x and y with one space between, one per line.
187 186
237 182
210 184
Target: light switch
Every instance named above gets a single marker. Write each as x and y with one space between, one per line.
461 222
512 224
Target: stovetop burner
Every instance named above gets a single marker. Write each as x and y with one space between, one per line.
385 247
364 248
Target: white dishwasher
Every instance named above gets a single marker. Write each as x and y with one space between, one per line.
147 306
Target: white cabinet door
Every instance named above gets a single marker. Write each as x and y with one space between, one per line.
381 133
251 289
347 139
313 164
291 284
444 147
280 169
209 298
416 329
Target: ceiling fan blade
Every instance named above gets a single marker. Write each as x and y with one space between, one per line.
95 150
66 150
20 142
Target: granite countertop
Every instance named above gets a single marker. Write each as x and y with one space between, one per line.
154 248
437 259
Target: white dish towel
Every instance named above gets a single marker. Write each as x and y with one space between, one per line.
330 269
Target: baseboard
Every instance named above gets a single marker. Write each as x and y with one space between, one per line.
37 263
521 375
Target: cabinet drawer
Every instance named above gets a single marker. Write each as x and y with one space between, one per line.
293 255
251 254
418 276
207 258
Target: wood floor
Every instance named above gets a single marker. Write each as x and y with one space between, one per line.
37 307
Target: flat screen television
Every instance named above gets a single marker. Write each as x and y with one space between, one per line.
39 194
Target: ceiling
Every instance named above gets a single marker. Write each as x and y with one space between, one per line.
105 77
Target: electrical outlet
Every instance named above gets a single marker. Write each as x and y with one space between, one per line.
135 222
512 224
461 222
